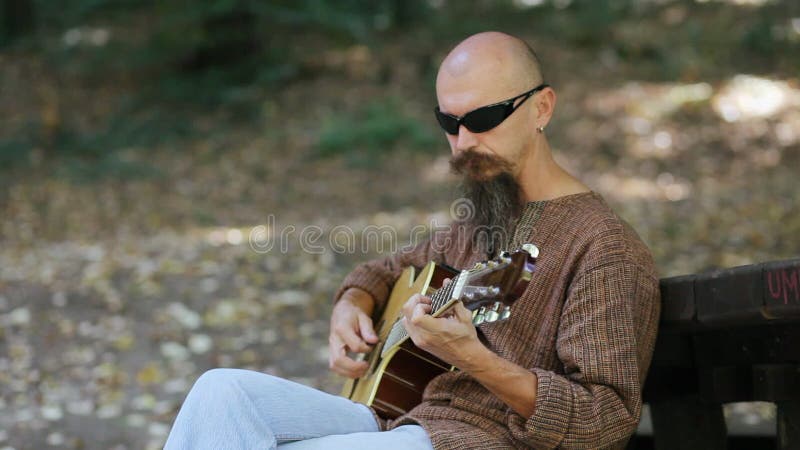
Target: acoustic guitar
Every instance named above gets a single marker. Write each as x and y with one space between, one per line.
398 370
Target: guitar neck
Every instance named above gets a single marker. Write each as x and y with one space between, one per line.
441 300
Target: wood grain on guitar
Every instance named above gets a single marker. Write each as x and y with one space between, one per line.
398 370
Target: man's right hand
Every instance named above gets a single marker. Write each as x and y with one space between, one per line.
351 330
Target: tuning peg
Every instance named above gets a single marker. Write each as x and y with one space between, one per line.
506 313
493 263
531 249
479 265
493 291
469 295
504 254
494 313
479 316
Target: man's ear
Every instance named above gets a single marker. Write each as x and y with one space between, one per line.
545 105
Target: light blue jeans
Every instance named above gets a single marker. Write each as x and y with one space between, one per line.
243 409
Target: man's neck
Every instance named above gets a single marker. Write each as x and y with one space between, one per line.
542 178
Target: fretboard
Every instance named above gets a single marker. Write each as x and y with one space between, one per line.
398 334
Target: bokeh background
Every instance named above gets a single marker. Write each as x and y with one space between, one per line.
143 143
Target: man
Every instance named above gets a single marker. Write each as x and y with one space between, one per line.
565 370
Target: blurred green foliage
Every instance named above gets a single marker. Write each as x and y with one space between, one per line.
363 137
217 43
180 59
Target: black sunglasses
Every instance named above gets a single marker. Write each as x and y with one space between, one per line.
486 117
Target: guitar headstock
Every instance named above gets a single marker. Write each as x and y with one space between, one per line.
491 287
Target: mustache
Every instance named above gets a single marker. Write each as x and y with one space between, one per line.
479 166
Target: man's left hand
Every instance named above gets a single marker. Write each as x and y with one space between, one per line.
450 337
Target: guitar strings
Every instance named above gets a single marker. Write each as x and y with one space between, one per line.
439 298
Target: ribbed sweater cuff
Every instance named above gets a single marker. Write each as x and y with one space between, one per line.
548 425
364 278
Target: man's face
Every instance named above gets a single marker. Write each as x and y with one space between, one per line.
503 145
489 162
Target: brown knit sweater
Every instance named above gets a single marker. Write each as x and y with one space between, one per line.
586 326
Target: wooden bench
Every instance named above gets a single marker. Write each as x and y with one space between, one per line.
730 335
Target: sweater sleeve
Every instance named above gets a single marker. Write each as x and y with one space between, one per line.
605 340
379 275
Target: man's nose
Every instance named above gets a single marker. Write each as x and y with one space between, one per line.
466 139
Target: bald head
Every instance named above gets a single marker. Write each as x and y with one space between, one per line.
491 59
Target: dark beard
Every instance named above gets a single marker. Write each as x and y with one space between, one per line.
489 184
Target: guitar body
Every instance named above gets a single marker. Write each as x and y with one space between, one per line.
399 371
394 383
